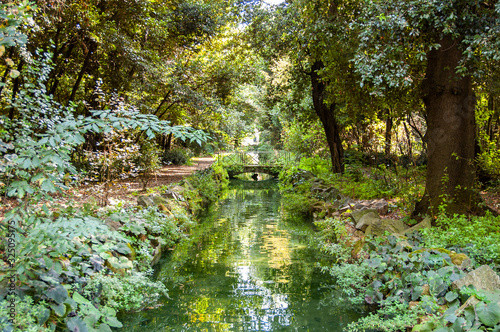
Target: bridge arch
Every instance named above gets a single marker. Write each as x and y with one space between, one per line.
267 162
271 170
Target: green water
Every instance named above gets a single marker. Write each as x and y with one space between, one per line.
245 269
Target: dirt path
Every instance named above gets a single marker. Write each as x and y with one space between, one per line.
165 176
170 174
122 191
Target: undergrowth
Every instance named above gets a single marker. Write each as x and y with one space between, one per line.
406 278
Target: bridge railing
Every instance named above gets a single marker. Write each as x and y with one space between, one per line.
262 158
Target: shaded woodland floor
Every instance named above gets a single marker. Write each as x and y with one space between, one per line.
126 190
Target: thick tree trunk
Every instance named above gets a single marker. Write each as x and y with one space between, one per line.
327 116
450 106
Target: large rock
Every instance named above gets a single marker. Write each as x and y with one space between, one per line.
460 260
482 278
326 193
367 220
380 205
176 192
145 201
358 214
378 228
157 253
426 223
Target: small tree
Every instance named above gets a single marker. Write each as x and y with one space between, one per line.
147 161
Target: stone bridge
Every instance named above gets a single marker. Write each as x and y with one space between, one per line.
268 162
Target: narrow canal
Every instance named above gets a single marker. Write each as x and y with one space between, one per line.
245 269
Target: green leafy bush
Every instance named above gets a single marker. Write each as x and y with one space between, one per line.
305 138
333 237
58 250
489 158
297 204
174 157
350 280
204 187
394 316
147 161
28 316
320 167
130 293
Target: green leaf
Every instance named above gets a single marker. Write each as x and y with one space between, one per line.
488 314
90 321
48 186
58 267
26 163
76 324
424 327
450 318
94 311
80 299
71 303
122 248
14 73
375 262
58 293
103 328
43 316
114 322
59 309
39 176
48 262
459 324
451 296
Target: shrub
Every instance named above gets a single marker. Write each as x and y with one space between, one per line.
29 315
305 138
130 293
395 273
58 250
204 187
147 161
174 157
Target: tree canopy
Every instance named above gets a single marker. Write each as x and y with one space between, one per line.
227 67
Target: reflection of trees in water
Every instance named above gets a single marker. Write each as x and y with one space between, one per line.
243 269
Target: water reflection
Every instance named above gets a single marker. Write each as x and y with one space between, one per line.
245 269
